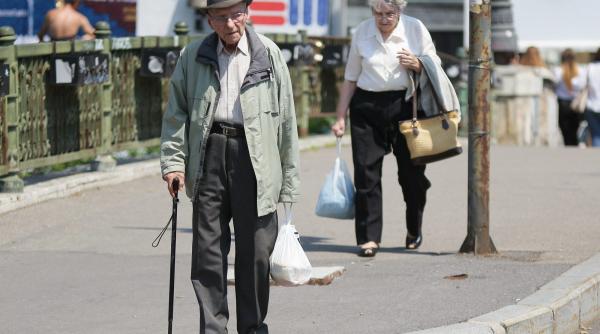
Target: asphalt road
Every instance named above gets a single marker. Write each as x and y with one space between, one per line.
85 264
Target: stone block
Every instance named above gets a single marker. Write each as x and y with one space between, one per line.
325 275
565 305
320 275
463 328
587 268
520 319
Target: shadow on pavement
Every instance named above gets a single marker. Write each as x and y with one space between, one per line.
179 230
320 244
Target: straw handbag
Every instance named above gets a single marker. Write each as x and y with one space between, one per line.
433 138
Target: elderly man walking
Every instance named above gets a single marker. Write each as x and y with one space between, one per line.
230 136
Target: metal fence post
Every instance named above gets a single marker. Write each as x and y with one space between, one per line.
104 160
304 106
181 32
11 182
478 238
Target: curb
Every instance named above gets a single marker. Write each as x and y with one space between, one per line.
563 306
70 185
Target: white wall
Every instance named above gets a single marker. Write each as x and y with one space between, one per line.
158 17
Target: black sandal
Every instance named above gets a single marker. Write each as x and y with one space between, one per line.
368 252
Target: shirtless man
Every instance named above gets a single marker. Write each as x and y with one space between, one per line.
64 23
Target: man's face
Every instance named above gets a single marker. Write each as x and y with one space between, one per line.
229 23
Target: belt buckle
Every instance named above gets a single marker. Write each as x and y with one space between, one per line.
228 131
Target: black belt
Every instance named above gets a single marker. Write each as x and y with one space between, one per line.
227 129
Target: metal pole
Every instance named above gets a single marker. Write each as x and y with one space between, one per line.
304 107
478 238
466 25
104 161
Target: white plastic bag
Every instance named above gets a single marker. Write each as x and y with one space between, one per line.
289 264
336 199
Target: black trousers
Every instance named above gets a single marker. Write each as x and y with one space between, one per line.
568 121
374 120
227 190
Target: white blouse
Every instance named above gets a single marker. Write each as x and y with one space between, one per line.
578 83
373 63
593 75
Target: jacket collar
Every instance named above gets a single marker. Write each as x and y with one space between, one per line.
259 58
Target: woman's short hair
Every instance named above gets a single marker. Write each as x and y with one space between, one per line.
399 4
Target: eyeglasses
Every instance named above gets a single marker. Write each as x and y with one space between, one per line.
235 17
388 15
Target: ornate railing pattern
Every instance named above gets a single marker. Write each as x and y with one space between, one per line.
125 65
44 123
32 120
3 139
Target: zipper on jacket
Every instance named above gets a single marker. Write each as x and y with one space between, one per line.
203 146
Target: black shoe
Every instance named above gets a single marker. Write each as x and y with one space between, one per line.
368 252
412 242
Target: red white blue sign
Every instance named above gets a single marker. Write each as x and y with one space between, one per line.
289 16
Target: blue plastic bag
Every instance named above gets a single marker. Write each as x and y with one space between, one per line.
336 199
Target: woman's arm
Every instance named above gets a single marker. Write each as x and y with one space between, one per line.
348 88
44 29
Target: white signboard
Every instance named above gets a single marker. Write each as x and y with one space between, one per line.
289 16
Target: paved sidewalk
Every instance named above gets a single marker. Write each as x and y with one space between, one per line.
86 264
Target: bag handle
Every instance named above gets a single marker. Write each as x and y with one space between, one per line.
336 166
287 207
587 78
414 127
415 95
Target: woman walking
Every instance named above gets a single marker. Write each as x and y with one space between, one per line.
383 52
570 82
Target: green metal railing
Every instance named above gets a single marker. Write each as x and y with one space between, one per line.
42 124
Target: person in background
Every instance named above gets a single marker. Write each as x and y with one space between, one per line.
570 80
65 22
543 128
532 57
382 54
592 111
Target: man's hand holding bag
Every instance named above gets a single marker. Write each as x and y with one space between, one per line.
289 264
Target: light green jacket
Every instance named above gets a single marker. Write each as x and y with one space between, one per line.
269 119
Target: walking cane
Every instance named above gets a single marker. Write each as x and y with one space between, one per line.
173 220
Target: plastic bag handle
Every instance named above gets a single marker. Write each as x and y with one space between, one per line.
287 207
336 167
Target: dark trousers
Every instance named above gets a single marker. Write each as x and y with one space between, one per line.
374 128
568 121
593 120
227 190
